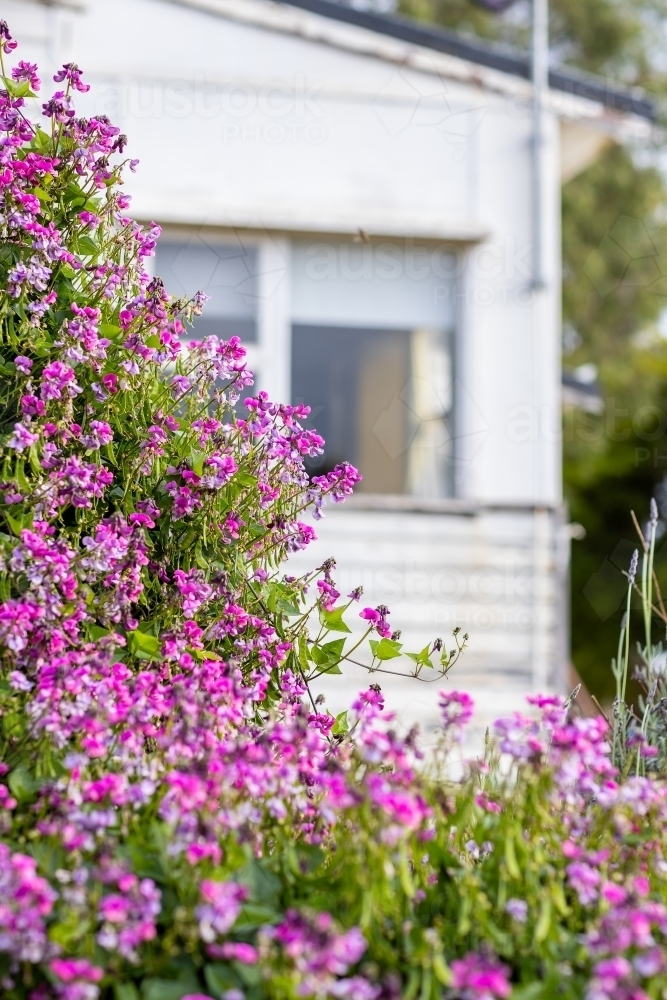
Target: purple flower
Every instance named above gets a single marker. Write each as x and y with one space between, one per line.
59 107
27 899
72 73
8 43
22 438
26 71
221 906
57 381
377 618
23 364
480 977
585 881
517 909
456 708
70 969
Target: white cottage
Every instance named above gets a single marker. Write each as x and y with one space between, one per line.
353 190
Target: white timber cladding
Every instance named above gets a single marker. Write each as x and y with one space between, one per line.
496 573
274 131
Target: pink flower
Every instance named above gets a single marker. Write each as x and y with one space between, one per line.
378 619
221 906
70 969
23 364
480 977
72 74
110 382
241 952
115 908
22 438
584 880
58 380
613 893
456 708
28 72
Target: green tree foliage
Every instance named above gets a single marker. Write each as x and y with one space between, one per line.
615 38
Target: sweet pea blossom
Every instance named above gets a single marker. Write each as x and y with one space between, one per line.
178 793
480 977
456 708
23 364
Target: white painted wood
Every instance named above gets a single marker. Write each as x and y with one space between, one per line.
272 124
274 317
493 572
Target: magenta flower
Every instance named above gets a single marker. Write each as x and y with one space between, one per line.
585 881
456 708
70 969
72 73
480 977
28 72
221 906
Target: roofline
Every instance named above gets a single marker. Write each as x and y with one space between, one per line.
494 57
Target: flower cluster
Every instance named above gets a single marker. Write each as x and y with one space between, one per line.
180 814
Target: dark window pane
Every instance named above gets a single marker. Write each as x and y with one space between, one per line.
353 380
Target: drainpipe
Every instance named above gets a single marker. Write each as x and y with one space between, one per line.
540 73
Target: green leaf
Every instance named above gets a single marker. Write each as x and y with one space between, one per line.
245 479
17 88
531 991
385 649
333 620
167 989
41 194
22 784
48 856
110 331
287 608
333 669
303 652
87 247
125 991
13 724
68 932
510 858
264 886
254 915
16 524
422 658
204 654
219 978
41 139
146 647
196 460
334 648
154 341
341 725
327 657
544 920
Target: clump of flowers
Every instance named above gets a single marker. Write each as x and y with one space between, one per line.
180 816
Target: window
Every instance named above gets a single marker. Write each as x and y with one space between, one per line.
372 343
226 271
